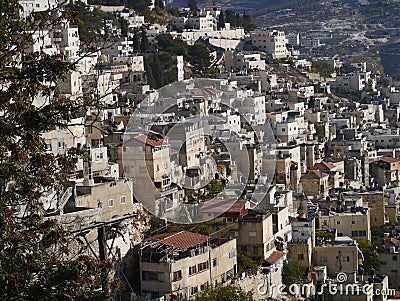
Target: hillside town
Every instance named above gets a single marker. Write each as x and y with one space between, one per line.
219 155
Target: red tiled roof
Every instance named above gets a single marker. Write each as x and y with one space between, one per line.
392 242
275 256
389 160
149 141
217 205
206 91
323 166
182 240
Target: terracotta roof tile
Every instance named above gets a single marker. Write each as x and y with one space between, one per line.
182 240
323 166
389 160
392 242
149 141
275 256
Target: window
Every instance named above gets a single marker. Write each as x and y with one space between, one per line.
177 276
255 250
362 233
152 276
252 234
193 290
323 259
202 266
215 262
394 257
203 286
142 169
110 203
338 223
300 256
122 200
192 270
232 253
353 222
48 146
354 233
346 258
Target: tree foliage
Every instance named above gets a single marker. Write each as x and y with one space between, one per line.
371 257
221 20
228 293
144 42
193 6
160 69
140 6
91 22
199 57
293 273
211 190
237 20
35 261
248 263
198 54
172 45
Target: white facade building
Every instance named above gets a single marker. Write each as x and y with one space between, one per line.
272 42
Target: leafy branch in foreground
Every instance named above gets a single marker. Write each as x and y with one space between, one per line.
35 262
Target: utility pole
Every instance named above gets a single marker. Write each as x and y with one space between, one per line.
101 238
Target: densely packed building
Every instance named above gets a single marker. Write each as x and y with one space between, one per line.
307 173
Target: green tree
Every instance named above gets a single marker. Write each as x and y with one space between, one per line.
157 71
230 17
293 273
248 264
247 22
149 74
238 20
199 57
144 42
371 257
221 20
88 21
140 6
174 11
159 3
212 189
136 40
124 27
171 45
35 259
228 293
193 6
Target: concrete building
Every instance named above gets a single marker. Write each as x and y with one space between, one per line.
385 171
272 42
354 81
337 258
315 183
354 224
389 256
243 61
183 264
112 197
255 233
